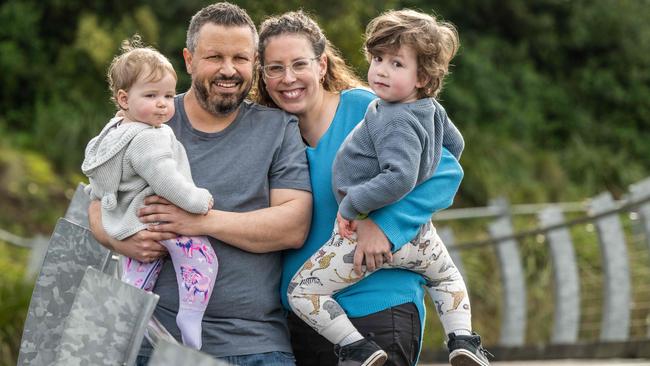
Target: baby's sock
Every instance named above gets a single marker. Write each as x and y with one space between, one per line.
351 338
189 322
196 269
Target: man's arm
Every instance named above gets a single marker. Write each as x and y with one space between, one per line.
283 225
143 246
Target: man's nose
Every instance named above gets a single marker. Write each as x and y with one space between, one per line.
227 68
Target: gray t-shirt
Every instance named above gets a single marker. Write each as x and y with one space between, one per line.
260 150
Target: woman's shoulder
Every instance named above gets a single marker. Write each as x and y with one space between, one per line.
357 95
271 115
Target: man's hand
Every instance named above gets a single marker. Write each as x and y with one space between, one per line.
346 227
166 217
372 245
144 245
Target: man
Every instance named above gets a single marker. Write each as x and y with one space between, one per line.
252 161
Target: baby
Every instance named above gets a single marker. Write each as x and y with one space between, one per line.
137 155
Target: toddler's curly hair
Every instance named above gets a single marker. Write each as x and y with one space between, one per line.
435 43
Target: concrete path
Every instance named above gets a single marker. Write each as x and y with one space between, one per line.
613 362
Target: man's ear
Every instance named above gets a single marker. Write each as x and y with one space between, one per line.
187 56
122 99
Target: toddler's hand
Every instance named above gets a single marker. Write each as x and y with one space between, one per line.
346 227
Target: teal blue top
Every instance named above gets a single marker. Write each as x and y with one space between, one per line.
399 221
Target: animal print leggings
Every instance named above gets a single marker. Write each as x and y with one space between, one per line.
196 269
330 270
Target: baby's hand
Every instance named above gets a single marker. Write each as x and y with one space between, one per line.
346 227
210 205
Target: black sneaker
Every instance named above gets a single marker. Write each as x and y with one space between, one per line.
361 353
467 351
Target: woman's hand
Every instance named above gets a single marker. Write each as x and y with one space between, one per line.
166 217
372 245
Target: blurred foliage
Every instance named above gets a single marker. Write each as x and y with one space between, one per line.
15 293
550 95
559 86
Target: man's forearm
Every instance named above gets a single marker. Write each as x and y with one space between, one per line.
95 221
279 227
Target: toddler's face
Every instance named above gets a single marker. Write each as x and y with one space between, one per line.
151 102
393 76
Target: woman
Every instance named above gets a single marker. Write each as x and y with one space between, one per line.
304 75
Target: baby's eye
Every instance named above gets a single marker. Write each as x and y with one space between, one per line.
397 64
150 95
376 58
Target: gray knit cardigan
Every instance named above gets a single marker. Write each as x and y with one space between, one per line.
130 161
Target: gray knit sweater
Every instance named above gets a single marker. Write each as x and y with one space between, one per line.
130 161
395 147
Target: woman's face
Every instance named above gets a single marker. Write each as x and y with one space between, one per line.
297 89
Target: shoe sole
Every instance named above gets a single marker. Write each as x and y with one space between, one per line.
376 359
462 357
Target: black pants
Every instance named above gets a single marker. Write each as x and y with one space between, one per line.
396 330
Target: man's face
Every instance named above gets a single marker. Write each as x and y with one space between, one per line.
222 67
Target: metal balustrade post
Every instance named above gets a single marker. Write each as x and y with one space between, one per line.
638 192
617 288
447 237
513 314
106 324
77 211
566 313
71 250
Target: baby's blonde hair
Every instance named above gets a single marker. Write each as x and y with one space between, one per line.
435 43
132 64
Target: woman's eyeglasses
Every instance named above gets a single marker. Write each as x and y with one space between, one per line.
298 67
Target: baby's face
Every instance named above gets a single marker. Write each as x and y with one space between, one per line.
152 102
394 76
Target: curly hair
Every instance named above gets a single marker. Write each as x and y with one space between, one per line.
339 76
435 43
132 64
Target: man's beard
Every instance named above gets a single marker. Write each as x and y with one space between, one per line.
220 104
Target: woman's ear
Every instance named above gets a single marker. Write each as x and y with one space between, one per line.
122 99
322 66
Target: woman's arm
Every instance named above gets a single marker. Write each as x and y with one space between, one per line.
398 223
401 221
